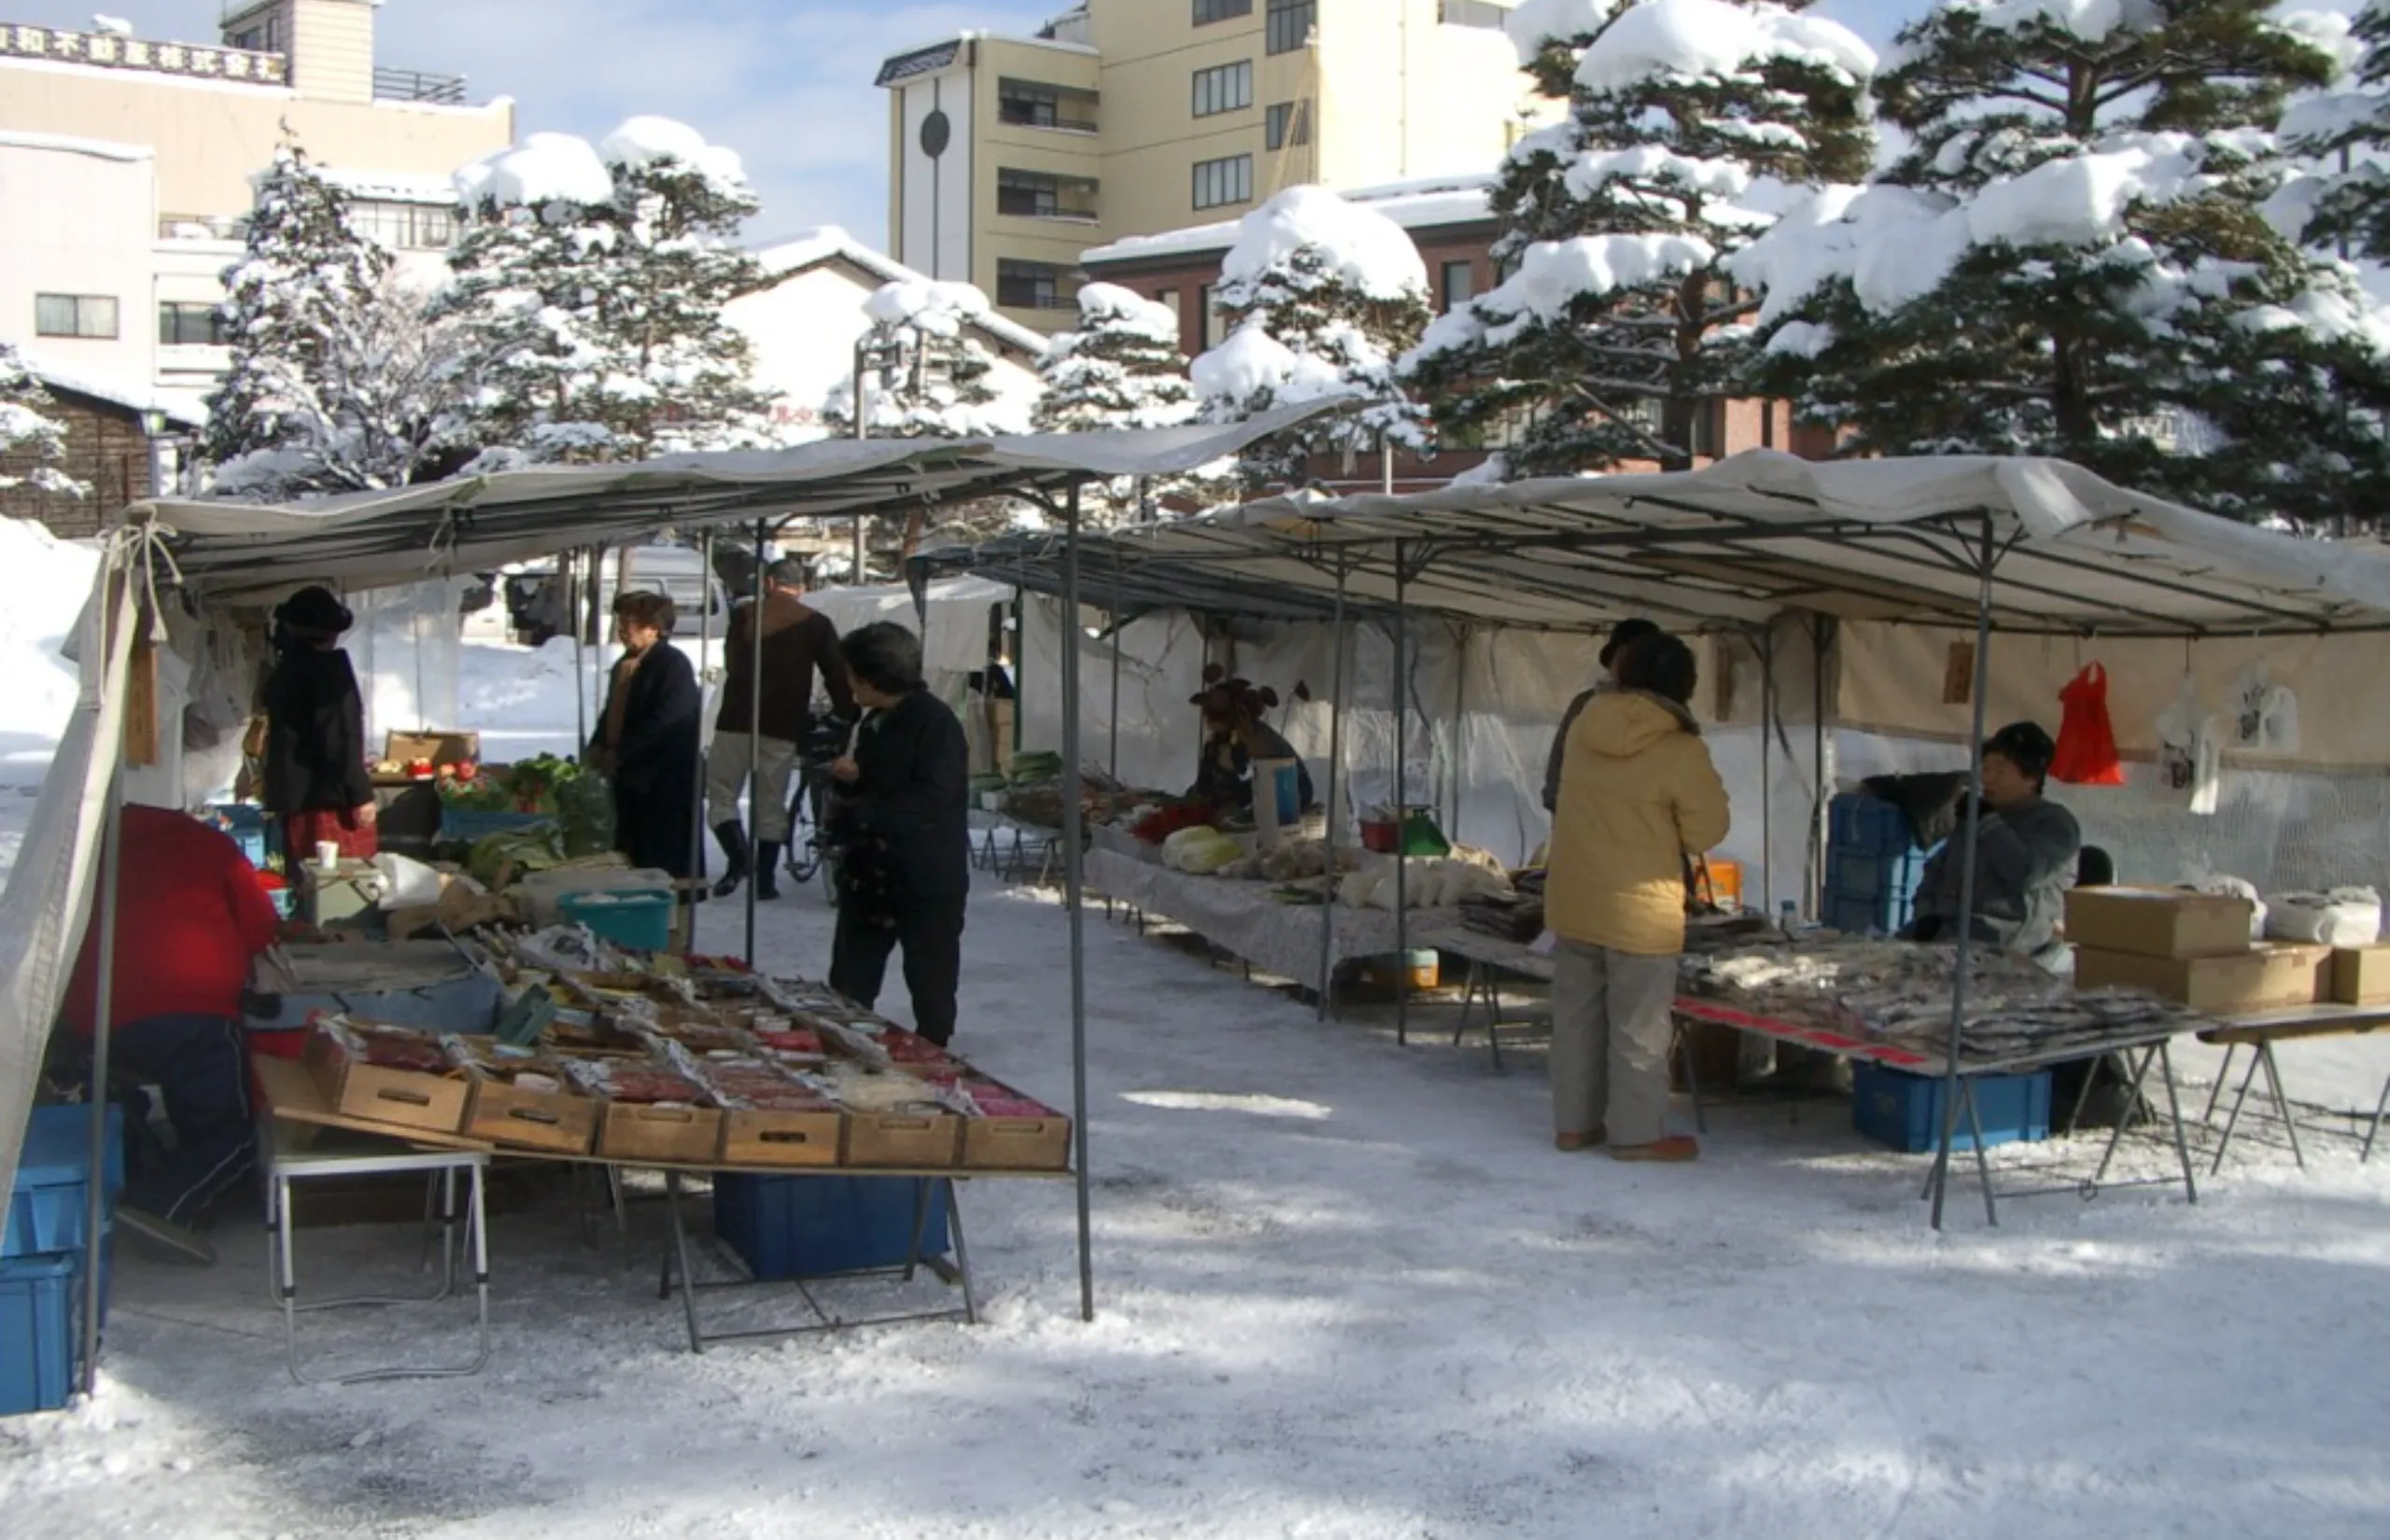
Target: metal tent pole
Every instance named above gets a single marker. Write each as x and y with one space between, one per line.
1821 811
568 569
754 738
1459 768
1073 897
705 647
1402 794
1113 764
1766 771
1335 788
1966 961
104 1003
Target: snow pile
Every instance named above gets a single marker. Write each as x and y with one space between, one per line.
545 168
1253 364
48 581
1117 309
1689 39
1359 248
2091 20
1533 23
938 307
644 141
1554 277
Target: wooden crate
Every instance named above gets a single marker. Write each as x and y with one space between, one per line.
922 1140
1017 1143
562 1122
763 1138
672 1136
403 1098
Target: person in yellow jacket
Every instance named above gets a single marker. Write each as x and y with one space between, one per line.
1639 796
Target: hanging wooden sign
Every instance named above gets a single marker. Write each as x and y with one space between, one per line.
1959 674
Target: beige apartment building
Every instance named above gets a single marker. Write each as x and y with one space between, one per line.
126 167
1010 156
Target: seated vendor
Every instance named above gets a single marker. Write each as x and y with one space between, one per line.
190 920
1235 736
2025 854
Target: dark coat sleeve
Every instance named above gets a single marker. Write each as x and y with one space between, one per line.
836 677
663 715
911 795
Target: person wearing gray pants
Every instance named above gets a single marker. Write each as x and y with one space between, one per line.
1611 1024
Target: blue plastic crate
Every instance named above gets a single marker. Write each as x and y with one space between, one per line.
1875 877
810 1226
1904 1110
1868 826
244 825
38 1317
50 1202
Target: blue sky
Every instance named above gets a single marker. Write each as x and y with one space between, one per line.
787 83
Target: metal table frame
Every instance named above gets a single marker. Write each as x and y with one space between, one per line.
677 1254
283 1168
2261 1030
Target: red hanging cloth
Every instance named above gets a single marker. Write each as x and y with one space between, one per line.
2087 741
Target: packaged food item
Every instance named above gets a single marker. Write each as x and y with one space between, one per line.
636 1082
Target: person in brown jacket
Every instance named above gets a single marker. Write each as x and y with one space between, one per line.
799 642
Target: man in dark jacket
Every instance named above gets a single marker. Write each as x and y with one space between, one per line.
1628 633
190 919
647 740
798 643
2026 849
902 834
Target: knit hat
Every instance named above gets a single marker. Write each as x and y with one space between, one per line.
314 610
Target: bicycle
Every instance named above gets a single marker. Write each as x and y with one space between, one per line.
809 806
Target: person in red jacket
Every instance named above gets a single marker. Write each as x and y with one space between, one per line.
190 919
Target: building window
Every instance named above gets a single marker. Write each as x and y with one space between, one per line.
182 325
74 315
1288 124
1167 299
1040 195
1223 182
1290 25
1710 428
1215 320
1209 11
1471 13
1459 284
1033 285
1029 104
260 35
1227 88
404 227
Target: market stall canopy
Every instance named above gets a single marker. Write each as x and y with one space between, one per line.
1736 544
473 524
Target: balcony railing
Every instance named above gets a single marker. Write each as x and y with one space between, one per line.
202 226
407 85
1028 114
112 50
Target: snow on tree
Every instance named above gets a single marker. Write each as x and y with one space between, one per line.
594 280
30 445
2072 259
927 375
1321 297
1693 125
1120 368
293 302
2345 199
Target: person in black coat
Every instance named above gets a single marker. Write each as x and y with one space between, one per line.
315 779
647 740
900 828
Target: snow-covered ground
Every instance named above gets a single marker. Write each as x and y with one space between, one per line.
1345 1289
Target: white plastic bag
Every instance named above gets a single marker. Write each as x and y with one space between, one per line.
2345 917
2218 886
2264 715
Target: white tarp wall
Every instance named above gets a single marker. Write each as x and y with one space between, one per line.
48 897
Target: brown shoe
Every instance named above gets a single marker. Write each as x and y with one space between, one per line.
1675 1150
1589 1140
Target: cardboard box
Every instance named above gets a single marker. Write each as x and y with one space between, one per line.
756 1137
560 1121
2269 978
2152 922
405 1099
439 748
922 1140
2361 976
672 1136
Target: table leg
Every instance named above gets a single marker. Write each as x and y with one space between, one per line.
2215 1092
680 1252
288 1275
478 1220
2281 1103
2233 1120
962 1254
1983 1156
1468 1000
2174 1110
1494 1019
2378 1108
2133 1099
920 1225
1680 1041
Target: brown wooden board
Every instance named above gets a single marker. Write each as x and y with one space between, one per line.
756 1137
927 1140
689 1136
294 1096
563 1120
1017 1143
399 1099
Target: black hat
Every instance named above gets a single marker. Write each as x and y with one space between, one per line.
2024 745
1626 635
314 610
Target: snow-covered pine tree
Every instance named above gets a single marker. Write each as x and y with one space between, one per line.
1121 368
927 375
1321 297
30 445
1691 124
291 302
2072 260
679 202
2345 201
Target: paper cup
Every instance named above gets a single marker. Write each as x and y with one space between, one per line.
327 855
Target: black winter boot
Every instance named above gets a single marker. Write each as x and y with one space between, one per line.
767 869
732 837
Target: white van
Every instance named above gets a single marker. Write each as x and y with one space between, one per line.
535 606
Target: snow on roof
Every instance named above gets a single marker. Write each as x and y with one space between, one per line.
812 247
391 187
647 141
183 406
545 168
1427 202
1360 246
1667 39
935 306
104 149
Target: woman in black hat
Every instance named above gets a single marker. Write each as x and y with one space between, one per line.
316 777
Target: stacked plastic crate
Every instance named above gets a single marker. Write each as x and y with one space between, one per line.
42 1251
1874 867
